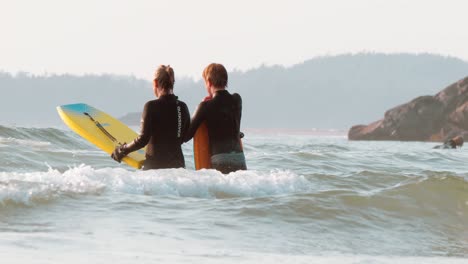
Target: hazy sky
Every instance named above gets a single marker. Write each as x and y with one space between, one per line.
134 36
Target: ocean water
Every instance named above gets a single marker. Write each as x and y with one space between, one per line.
307 197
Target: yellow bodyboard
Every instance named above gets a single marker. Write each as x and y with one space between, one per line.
201 148
101 129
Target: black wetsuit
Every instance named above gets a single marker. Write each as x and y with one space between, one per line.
165 123
223 117
449 144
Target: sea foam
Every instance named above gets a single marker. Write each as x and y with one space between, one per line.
31 187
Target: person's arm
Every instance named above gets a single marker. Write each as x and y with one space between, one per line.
238 99
145 134
198 117
185 122
238 105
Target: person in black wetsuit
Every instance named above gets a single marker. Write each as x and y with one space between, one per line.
164 125
222 112
453 143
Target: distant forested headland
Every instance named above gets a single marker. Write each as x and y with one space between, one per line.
324 92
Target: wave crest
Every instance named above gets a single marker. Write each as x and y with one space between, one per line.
38 187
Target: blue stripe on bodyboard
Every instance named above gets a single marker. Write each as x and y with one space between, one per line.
78 109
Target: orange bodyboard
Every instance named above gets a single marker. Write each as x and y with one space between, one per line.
201 148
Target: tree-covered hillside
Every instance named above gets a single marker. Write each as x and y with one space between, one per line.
324 92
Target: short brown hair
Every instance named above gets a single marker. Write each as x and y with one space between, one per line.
216 74
164 75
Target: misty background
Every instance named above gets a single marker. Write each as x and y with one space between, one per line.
325 92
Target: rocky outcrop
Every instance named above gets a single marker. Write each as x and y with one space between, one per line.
426 118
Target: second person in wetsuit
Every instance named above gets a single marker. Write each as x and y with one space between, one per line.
164 125
222 112
453 143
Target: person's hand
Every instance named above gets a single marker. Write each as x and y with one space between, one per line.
119 153
241 135
207 98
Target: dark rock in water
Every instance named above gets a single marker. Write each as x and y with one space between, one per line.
426 118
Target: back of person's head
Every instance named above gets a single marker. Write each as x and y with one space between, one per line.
164 75
216 74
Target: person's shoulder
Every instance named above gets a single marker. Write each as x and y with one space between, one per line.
203 106
182 103
205 103
150 104
237 97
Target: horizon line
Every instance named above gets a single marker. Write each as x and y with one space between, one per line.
234 70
